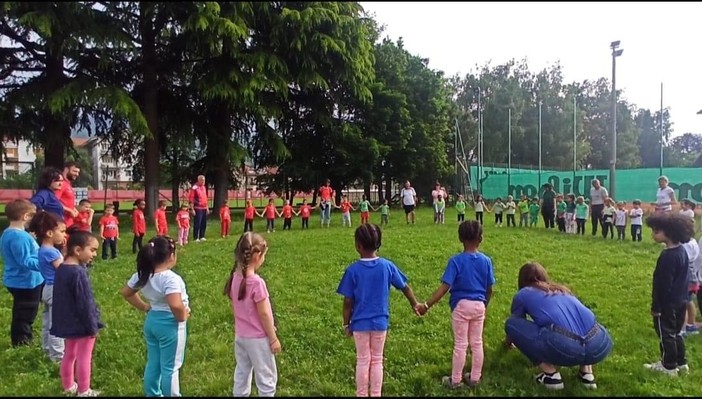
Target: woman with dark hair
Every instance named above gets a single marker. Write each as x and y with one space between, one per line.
45 199
548 206
562 331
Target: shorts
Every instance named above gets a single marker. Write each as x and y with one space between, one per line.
408 209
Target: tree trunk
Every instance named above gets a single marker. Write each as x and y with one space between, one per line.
367 188
175 181
388 189
218 145
150 108
380 191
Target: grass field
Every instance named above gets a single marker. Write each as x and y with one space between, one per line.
303 269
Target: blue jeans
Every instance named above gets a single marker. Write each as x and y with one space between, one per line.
543 345
200 223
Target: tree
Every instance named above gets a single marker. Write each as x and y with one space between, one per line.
684 151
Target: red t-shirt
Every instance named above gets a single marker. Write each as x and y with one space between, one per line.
345 207
138 222
249 212
161 222
287 211
183 218
305 211
270 211
81 221
326 193
67 197
111 229
225 213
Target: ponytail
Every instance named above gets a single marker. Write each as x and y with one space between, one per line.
157 251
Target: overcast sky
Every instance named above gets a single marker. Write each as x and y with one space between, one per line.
661 41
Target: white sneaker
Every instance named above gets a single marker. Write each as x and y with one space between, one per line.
203 239
72 390
89 393
197 240
684 369
588 380
658 366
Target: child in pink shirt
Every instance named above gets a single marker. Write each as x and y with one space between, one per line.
183 219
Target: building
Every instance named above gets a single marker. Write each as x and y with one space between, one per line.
18 158
106 170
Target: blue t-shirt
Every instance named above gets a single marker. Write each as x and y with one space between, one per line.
562 310
48 254
367 282
47 201
469 275
19 259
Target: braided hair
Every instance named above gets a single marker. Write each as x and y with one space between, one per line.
369 236
249 244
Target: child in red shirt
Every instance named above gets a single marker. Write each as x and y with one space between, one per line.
346 208
138 225
160 218
305 211
287 213
109 231
225 219
84 220
249 213
183 220
270 213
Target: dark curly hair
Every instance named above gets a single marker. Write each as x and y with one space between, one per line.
676 227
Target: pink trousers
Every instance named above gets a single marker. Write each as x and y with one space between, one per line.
77 362
183 235
369 362
467 319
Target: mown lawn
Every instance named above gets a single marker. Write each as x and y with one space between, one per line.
302 271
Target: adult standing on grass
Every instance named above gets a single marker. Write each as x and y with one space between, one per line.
409 201
50 182
326 202
562 331
66 195
665 196
598 194
548 205
199 207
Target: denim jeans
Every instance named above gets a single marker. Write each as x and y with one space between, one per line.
543 345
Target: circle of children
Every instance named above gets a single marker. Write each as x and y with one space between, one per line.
49 266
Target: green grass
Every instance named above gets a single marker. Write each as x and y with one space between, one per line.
303 269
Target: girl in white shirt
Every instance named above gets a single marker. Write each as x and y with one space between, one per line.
480 207
636 216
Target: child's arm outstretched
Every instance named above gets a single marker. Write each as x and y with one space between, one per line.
264 312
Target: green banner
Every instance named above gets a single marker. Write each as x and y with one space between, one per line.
631 183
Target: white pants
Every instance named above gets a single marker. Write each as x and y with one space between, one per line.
254 354
53 346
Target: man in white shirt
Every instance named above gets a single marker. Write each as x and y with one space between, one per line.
598 194
409 201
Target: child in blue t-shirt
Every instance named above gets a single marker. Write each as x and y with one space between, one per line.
51 233
469 278
366 290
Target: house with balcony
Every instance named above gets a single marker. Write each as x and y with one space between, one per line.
18 158
106 170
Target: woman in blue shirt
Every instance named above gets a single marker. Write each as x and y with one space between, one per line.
45 198
561 332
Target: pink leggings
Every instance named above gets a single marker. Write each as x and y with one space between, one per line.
77 358
369 362
467 320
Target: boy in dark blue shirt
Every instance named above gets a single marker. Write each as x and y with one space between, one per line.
669 294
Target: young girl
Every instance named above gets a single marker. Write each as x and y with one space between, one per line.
469 277
439 209
523 206
270 213
461 209
346 209
498 207
363 206
366 290
287 213
160 219
75 315
510 210
636 216
249 213
225 219
534 212
570 214
581 211
166 312
109 232
608 219
304 212
561 213
385 213
51 233
480 207
138 225
620 220
183 219
255 341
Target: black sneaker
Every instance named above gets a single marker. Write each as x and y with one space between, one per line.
588 380
550 381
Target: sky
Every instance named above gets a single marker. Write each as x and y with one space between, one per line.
661 43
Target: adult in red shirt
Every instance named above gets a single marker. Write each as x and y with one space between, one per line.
66 195
326 202
199 207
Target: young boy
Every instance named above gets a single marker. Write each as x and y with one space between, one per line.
511 209
225 219
109 231
460 208
534 212
561 213
84 220
636 216
620 220
687 208
523 211
498 207
439 209
385 212
160 219
138 225
304 213
570 214
21 273
670 285
287 214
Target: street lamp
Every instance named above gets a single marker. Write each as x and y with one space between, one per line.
616 52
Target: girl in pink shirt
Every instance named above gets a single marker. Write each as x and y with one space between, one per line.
183 218
255 341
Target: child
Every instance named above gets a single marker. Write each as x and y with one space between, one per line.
138 225
670 285
480 207
498 207
183 220
636 216
365 286
581 211
570 214
560 213
692 249
160 219
109 231
21 274
523 206
75 316
439 209
620 220
225 219
363 206
534 212
608 218
687 208
249 212
346 208
270 213
469 277
84 220
51 233
304 212
166 314
511 209
255 341
461 209
385 212
287 213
